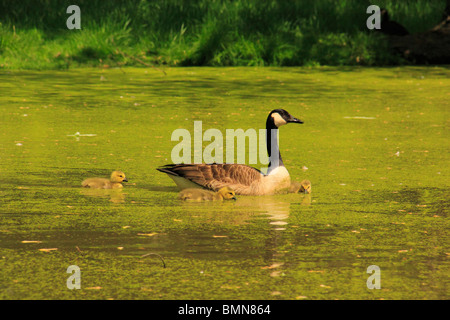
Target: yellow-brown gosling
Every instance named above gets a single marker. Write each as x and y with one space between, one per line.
195 194
114 182
300 187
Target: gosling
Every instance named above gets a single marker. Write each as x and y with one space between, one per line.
300 187
194 194
115 182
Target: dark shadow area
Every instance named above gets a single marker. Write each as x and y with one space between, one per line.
219 33
429 47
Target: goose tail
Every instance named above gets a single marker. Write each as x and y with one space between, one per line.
179 177
168 169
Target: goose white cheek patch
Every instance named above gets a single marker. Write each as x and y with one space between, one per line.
278 120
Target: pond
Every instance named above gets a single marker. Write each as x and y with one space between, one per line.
374 144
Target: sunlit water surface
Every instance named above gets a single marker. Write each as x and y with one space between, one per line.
374 143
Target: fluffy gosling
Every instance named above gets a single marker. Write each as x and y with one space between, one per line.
115 181
194 194
300 187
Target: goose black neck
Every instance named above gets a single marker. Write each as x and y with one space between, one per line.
273 150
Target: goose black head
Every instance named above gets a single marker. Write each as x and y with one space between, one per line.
279 117
384 14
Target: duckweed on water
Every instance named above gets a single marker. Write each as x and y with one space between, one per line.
374 146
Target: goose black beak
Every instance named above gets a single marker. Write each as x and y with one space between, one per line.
125 180
294 120
234 198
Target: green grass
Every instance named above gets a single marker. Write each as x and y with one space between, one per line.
33 34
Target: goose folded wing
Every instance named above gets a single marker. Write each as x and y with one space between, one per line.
215 176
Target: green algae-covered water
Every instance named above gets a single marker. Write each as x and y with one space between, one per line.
374 144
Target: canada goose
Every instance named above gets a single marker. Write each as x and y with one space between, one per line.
300 187
195 194
101 183
243 179
390 27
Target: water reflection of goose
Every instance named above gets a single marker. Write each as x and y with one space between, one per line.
114 195
275 208
277 212
243 179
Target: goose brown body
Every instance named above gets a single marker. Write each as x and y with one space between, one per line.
242 179
114 182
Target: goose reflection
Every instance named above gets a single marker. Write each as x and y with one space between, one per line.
113 195
277 210
246 208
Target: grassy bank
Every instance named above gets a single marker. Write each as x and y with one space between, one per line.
33 33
